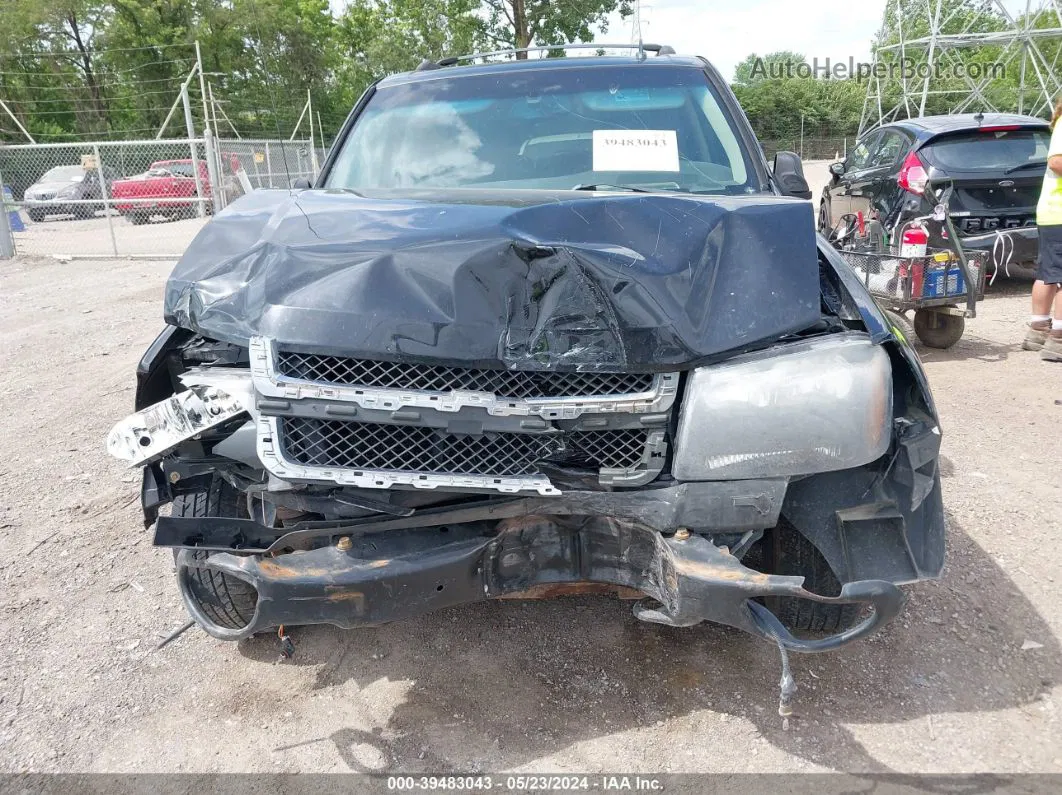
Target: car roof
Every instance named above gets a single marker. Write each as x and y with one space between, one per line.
928 126
585 62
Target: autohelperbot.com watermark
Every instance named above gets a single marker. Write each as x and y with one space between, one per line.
851 69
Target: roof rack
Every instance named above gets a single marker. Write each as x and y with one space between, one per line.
453 60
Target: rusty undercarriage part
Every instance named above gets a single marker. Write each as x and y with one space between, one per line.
404 573
555 590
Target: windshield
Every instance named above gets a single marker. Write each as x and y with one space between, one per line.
175 167
63 174
988 151
647 127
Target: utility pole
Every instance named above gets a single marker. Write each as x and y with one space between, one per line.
181 96
202 83
14 118
200 209
313 147
934 32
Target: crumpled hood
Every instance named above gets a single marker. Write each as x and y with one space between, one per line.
527 280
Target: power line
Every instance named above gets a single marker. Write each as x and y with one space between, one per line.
94 52
106 70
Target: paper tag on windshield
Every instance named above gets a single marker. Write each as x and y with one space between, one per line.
635 150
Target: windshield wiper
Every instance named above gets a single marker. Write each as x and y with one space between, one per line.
610 186
1036 163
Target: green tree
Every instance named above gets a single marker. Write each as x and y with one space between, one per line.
94 67
60 35
779 101
381 37
522 23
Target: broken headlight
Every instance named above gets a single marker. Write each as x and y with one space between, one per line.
211 398
814 406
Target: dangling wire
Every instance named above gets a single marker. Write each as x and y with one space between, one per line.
787 686
1001 255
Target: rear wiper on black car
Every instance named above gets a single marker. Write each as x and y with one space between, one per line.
1036 163
610 186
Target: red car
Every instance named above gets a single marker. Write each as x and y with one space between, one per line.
167 188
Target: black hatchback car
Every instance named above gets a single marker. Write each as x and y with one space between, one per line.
995 163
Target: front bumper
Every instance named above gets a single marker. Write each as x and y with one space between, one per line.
63 206
382 577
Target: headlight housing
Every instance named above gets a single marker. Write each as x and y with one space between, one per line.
815 406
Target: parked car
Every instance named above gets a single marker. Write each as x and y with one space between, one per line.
168 188
66 190
995 162
539 327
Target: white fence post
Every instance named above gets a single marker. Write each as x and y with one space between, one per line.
200 207
106 196
217 190
7 239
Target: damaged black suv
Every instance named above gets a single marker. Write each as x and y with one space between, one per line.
542 326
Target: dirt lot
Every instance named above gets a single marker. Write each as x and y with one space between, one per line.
969 679
59 235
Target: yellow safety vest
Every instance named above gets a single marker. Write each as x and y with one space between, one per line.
1049 210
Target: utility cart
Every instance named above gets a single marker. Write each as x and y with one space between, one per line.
941 286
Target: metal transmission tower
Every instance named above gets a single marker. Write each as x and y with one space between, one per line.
955 56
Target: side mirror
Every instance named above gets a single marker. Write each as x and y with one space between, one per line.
302 183
789 172
837 169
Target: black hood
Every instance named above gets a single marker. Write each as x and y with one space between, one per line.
526 280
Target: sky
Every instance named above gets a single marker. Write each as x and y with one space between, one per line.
727 32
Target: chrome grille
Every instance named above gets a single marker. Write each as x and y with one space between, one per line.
378 446
622 449
517 384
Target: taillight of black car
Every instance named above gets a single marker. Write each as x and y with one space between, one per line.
913 175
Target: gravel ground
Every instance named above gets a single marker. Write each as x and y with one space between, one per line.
968 679
66 235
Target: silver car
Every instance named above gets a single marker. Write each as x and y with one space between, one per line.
66 190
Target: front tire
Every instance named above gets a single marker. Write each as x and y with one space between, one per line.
37 216
900 321
825 227
791 554
227 601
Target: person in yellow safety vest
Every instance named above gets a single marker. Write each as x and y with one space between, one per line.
1045 332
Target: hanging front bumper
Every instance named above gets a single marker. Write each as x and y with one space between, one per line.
378 578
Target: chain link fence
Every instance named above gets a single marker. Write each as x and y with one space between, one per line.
271 163
832 148
135 198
